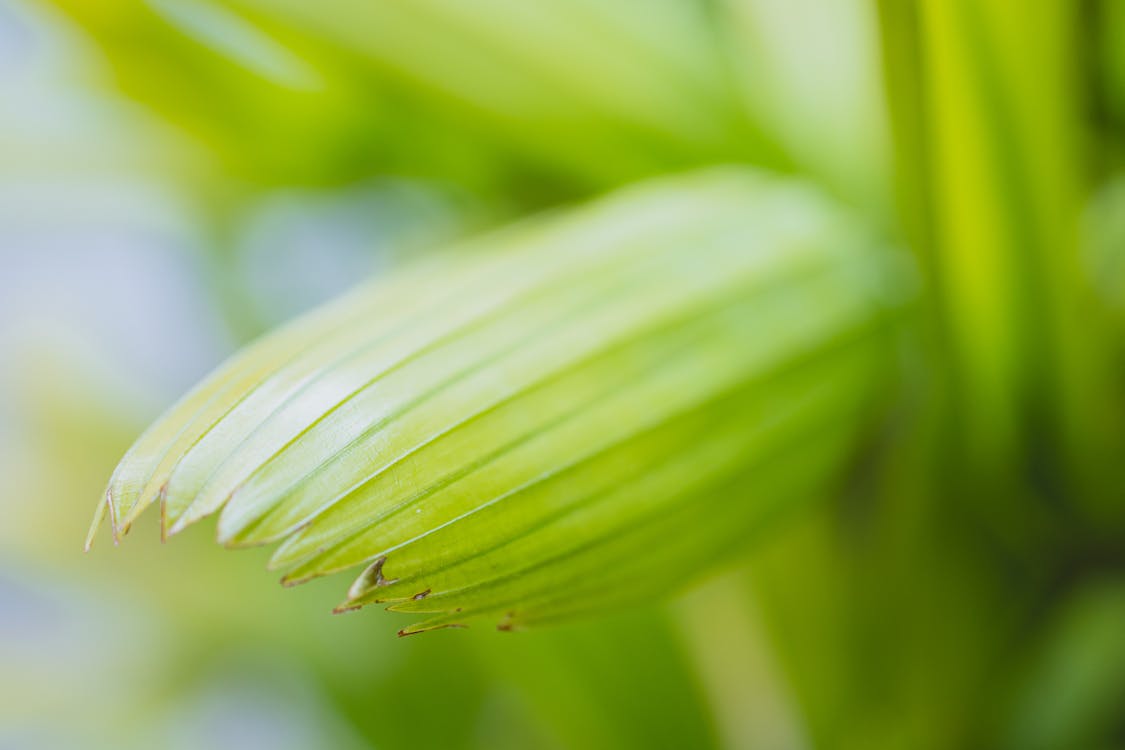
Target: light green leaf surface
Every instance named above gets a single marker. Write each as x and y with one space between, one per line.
582 410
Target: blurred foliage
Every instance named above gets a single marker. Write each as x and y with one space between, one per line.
962 588
540 102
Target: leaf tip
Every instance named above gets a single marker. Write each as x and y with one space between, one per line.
372 578
99 518
417 629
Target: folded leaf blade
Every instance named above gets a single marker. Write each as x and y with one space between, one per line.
576 404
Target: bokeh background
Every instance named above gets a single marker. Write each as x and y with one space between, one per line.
178 176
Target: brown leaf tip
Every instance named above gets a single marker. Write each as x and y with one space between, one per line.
407 631
345 608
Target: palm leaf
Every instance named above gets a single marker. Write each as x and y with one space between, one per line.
582 410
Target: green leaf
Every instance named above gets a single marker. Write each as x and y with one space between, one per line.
580 411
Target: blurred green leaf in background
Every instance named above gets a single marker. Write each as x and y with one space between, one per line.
760 361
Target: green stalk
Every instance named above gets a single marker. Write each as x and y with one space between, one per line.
987 100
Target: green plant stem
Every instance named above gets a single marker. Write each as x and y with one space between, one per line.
987 106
